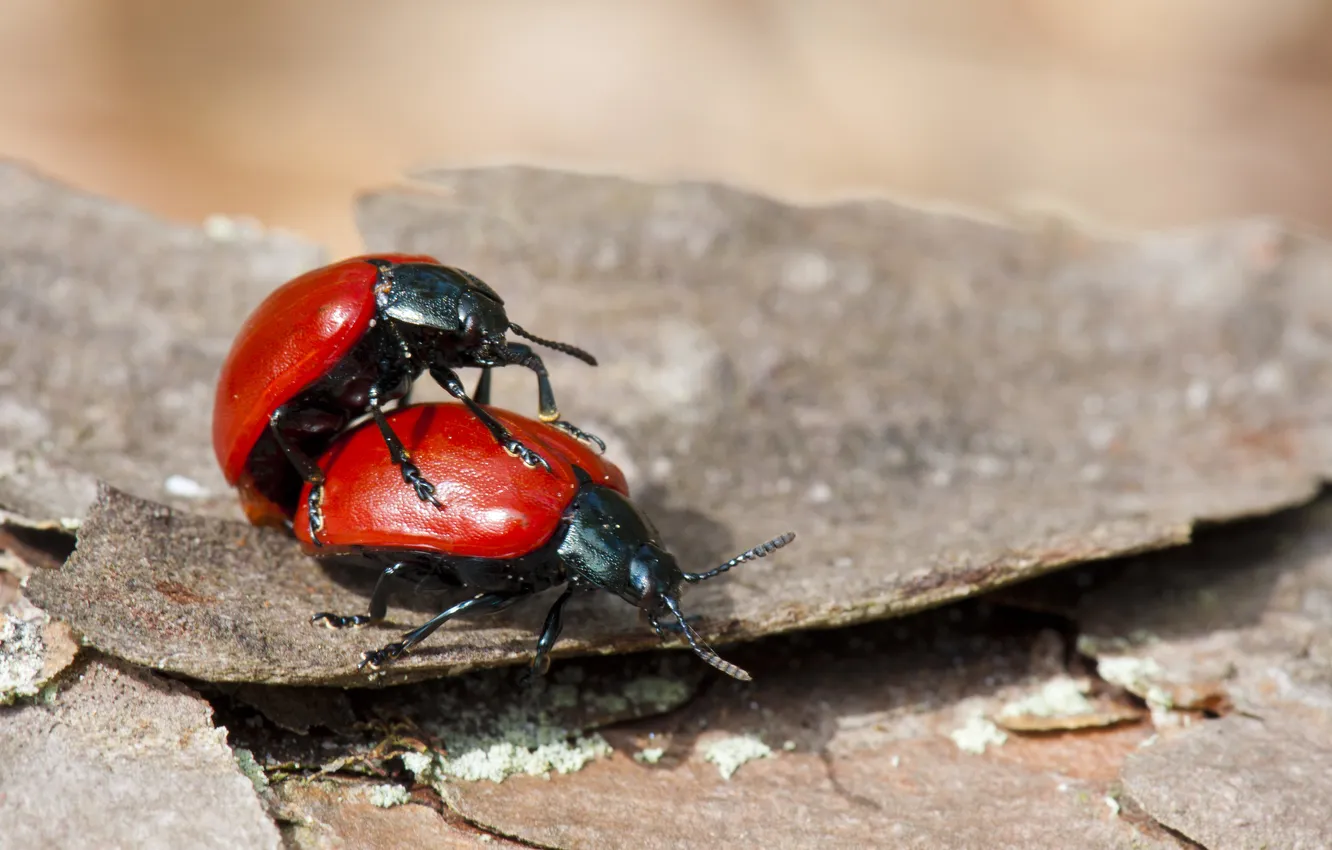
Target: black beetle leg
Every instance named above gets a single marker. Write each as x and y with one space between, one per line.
521 354
378 604
481 395
393 651
411 475
550 633
308 469
448 379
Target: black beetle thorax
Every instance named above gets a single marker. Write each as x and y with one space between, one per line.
442 299
606 536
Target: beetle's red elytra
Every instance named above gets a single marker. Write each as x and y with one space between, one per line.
493 507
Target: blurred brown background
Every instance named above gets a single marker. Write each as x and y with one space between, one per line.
1132 112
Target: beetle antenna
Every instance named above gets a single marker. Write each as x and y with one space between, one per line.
753 554
701 649
563 347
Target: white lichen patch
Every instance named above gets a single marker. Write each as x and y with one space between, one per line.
489 743
978 733
22 651
532 751
506 758
388 796
1060 697
1140 676
649 755
486 736
729 754
418 763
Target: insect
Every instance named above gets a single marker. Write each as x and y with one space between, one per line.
506 532
341 341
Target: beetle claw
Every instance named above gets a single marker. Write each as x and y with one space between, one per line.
579 434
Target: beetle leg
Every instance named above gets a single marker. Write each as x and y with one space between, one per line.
481 395
393 651
308 469
378 604
411 475
448 379
521 354
550 633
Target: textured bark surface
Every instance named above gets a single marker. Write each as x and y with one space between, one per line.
124 758
113 326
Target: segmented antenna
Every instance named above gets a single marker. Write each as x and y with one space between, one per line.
753 554
701 649
562 347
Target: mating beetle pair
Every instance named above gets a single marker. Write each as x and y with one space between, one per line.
341 341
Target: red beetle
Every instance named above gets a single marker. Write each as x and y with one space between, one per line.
341 341
506 531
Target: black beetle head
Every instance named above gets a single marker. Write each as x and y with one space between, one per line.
651 577
612 545
482 324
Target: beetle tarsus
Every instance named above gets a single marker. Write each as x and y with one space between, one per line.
448 379
579 434
316 513
425 491
411 473
526 455
343 621
377 658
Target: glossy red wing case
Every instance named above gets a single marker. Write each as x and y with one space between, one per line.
295 336
494 505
